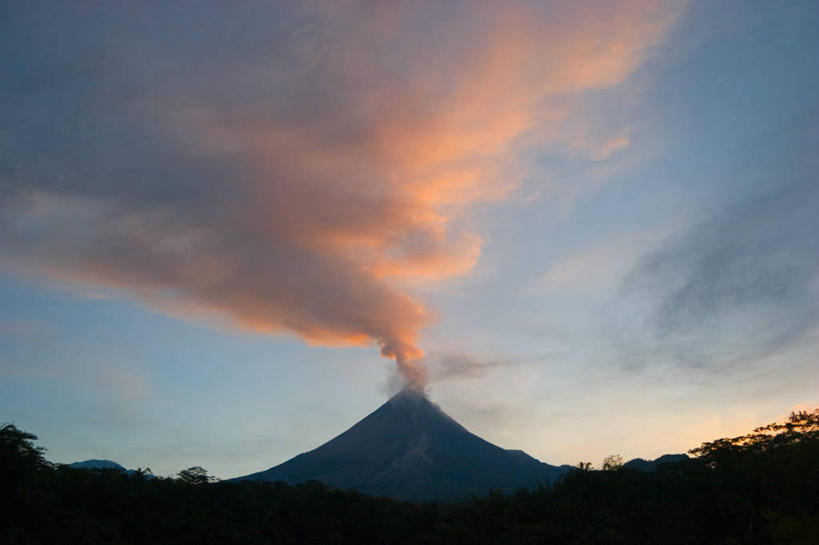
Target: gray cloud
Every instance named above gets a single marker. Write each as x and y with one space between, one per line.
739 285
450 365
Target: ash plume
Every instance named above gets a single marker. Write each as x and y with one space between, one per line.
289 167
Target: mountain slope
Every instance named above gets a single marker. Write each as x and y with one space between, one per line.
410 449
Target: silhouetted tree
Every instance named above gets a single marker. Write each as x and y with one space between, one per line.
612 462
19 458
801 427
760 488
195 475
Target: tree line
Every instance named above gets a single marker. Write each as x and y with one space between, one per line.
759 488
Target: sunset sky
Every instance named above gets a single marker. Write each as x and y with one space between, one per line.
230 230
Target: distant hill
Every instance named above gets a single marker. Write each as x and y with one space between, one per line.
96 464
410 449
107 464
651 465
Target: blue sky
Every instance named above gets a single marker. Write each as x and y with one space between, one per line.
214 218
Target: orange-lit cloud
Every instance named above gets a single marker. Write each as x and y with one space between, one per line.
289 177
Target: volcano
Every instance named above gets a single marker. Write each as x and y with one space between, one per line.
409 449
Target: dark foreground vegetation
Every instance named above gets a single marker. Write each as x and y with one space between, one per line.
756 489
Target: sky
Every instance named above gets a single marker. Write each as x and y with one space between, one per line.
230 230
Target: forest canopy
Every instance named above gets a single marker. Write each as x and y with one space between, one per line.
758 488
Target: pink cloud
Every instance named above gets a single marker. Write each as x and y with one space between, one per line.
313 169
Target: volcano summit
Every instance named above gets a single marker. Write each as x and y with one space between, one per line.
410 449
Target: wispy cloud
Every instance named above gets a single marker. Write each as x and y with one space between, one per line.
456 365
600 268
94 371
739 285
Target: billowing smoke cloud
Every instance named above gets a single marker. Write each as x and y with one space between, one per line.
288 167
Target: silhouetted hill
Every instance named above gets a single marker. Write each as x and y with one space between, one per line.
108 464
96 464
651 465
410 449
